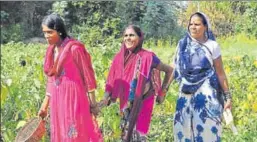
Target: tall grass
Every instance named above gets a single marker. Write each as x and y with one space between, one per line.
237 45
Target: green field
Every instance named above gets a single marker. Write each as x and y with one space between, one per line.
23 87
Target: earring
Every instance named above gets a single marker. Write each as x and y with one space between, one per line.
206 34
60 33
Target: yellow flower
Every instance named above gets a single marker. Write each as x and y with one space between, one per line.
106 72
227 70
255 63
250 97
246 106
254 107
240 122
238 58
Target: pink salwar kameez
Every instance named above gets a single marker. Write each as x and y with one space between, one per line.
70 117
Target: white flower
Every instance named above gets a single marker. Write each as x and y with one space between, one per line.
8 82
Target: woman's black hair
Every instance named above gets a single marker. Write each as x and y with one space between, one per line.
136 29
55 22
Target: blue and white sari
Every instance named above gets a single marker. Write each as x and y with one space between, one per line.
198 111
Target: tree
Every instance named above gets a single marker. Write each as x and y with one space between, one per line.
22 19
159 20
226 18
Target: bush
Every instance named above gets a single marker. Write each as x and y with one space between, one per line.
11 33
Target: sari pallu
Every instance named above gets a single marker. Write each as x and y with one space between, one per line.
194 65
122 71
120 76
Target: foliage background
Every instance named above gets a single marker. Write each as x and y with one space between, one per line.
99 25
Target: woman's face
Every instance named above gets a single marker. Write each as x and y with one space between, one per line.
52 36
131 39
196 28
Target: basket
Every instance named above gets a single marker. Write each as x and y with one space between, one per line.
32 131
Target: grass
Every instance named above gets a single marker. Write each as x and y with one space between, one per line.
238 45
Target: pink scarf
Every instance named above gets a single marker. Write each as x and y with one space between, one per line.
52 68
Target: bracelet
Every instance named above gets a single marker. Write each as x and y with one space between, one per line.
165 88
227 95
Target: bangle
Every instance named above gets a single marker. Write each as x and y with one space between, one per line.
164 90
227 95
165 87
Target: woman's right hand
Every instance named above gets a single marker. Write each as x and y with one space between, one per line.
95 110
106 100
43 110
160 99
42 113
228 104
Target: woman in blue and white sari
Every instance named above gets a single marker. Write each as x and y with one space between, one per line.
199 71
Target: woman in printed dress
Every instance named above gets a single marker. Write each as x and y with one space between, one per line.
199 70
132 60
70 88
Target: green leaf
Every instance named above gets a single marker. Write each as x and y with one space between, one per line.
4 93
37 83
20 124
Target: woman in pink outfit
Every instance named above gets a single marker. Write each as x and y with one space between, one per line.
134 74
70 88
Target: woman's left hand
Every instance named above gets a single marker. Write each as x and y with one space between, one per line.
160 99
228 104
94 109
42 113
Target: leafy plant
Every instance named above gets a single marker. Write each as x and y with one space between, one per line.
23 87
